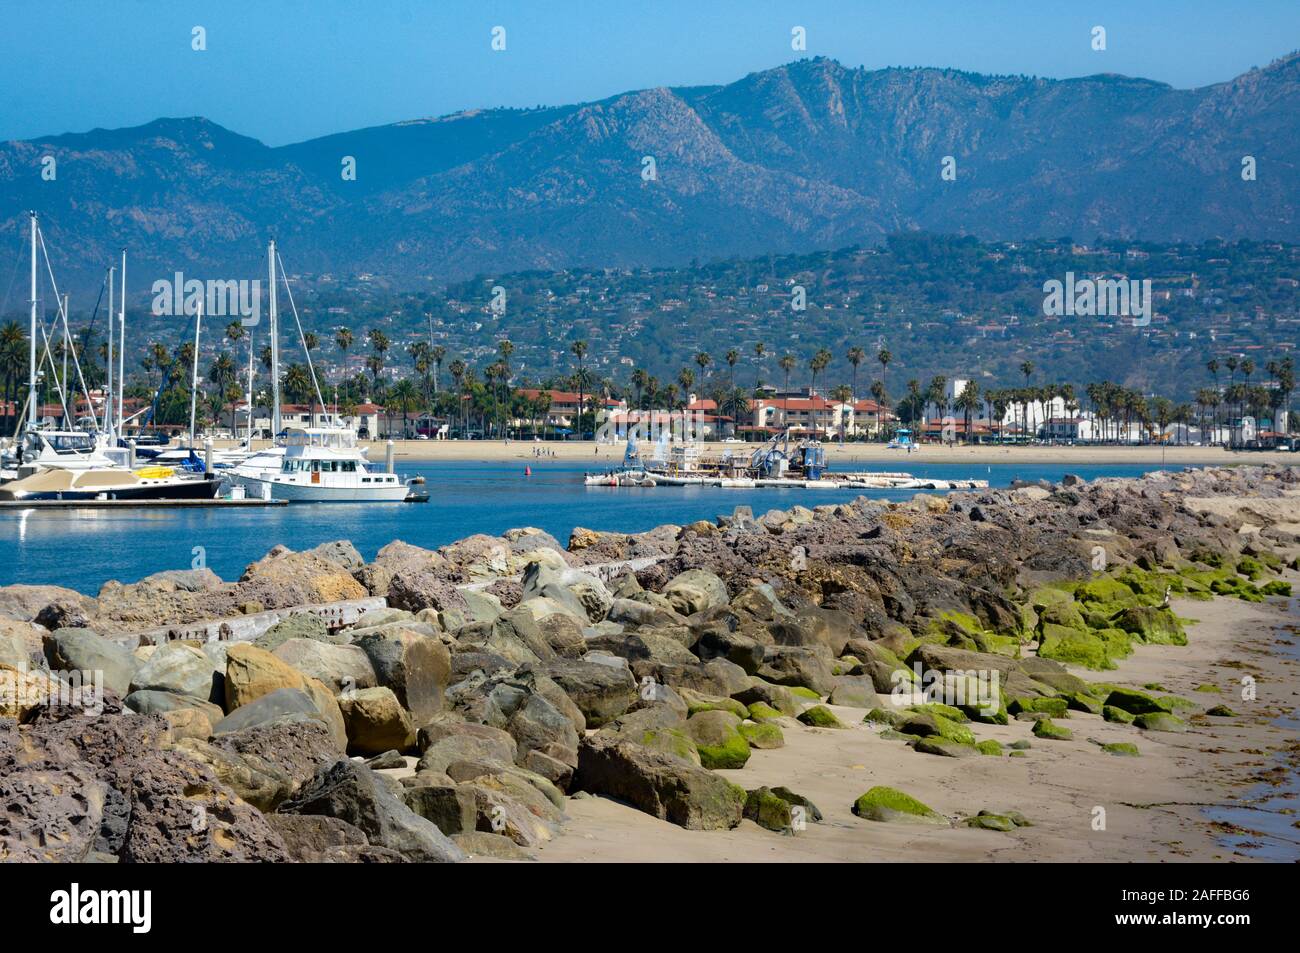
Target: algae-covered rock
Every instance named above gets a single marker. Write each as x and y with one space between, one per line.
716 736
1155 626
1122 748
1134 702
1116 715
1221 711
926 725
1160 721
1054 707
767 810
989 747
992 822
762 711
819 716
1046 728
882 716
944 748
762 735
672 741
889 805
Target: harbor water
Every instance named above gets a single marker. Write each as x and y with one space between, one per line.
84 548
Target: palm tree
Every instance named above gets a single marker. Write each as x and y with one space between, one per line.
13 364
438 353
457 369
856 356
787 364
759 350
703 359
1027 368
732 357
917 402
820 361
223 374
403 396
579 349
968 402
639 377
843 394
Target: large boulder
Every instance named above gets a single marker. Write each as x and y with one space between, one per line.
659 784
84 651
353 793
180 669
341 668
416 667
284 578
376 721
718 739
602 692
695 590
798 667
265 764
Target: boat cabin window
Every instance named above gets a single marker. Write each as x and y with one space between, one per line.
70 442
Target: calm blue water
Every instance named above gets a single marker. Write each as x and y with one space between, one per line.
82 549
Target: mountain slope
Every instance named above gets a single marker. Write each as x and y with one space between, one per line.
808 155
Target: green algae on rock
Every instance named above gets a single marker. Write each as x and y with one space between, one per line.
889 805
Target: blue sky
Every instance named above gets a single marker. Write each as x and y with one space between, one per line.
287 70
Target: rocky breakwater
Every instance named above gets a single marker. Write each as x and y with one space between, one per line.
506 675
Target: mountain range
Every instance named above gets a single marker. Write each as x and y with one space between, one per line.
809 155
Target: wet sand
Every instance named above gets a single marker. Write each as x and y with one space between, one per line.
1153 804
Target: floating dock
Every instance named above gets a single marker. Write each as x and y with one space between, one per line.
844 481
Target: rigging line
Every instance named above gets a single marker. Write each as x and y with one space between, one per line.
302 337
90 404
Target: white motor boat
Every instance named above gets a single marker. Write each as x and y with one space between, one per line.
317 464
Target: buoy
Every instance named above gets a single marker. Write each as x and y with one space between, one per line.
528 471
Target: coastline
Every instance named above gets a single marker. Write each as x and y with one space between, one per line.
876 454
1154 804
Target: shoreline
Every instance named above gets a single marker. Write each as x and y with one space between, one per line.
602 456
1155 806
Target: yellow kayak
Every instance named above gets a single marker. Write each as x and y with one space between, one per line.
155 473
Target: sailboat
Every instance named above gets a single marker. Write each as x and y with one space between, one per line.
72 465
309 464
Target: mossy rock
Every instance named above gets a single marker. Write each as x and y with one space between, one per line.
1016 754
1175 702
696 703
1154 626
889 805
718 739
810 811
987 716
1276 588
1050 595
927 725
1221 711
1209 688
1091 648
1252 569
672 741
989 746
1116 715
1062 613
767 810
1122 748
1135 702
800 691
934 708
1021 744
1104 589
1160 721
1080 701
991 822
1055 707
762 711
819 716
762 735
891 734
944 748
882 716
1046 728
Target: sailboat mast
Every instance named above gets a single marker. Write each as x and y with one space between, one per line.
31 379
108 387
121 343
194 380
67 345
275 345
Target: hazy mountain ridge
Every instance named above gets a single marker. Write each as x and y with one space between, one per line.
808 155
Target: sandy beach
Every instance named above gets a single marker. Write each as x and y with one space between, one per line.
1153 804
875 454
